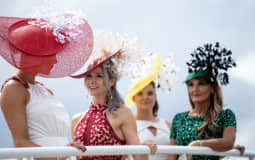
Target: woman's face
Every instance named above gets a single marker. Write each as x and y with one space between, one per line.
94 81
47 67
199 90
37 65
146 98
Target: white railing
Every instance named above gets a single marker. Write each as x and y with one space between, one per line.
36 152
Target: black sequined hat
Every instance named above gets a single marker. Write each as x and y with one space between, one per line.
210 59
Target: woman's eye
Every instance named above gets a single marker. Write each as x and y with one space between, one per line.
88 76
150 93
100 75
140 94
190 84
201 83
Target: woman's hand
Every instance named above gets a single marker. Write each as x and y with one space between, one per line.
79 145
241 148
193 143
151 145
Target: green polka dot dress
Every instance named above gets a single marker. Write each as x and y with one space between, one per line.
184 129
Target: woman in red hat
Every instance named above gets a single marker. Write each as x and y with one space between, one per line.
107 121
48 47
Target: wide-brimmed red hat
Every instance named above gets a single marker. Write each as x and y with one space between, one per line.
110 46
48 47
95 64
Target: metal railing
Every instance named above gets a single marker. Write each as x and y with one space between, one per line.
40 152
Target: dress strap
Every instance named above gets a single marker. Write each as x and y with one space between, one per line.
25 84
39 83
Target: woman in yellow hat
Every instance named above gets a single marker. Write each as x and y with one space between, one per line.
149 74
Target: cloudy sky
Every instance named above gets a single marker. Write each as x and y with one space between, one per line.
163 27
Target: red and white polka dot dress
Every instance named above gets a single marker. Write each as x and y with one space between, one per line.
95 129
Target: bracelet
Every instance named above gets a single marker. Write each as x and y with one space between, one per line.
200 142
153 149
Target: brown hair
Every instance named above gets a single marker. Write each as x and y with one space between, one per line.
215 108
156 106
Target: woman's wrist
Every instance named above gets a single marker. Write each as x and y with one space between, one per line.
200 142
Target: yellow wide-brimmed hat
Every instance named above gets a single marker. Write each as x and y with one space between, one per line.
142 82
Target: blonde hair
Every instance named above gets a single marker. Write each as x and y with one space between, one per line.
215 108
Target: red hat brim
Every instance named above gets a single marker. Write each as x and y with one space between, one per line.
65 62
96 63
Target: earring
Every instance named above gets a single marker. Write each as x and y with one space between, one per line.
109 96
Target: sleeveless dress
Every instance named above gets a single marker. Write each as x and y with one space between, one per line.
161 138
47 118
95 129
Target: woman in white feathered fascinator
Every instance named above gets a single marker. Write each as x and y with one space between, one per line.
149 74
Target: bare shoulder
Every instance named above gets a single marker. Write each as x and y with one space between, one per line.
14 90
13 85
13 101
125 115
124 111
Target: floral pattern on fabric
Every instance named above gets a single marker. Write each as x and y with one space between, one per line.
95 129
184 129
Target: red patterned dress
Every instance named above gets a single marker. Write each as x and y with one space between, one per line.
95 129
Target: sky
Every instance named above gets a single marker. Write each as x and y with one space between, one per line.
163 27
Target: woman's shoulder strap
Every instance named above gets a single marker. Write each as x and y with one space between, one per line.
25 84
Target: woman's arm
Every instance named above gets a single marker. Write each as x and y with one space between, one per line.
241 148
74 122
13 102
172 156
219 144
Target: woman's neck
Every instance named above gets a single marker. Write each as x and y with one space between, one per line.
99 100
145 115
200 108
25 76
